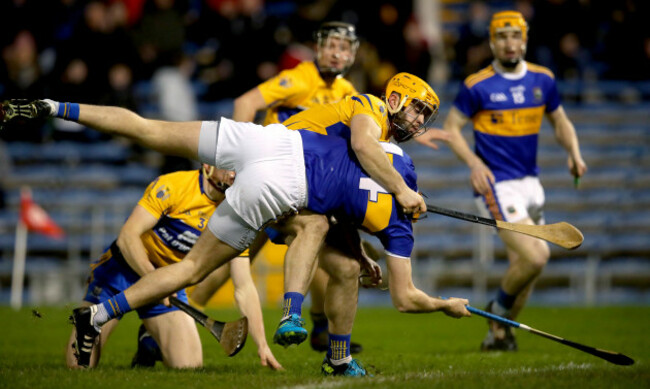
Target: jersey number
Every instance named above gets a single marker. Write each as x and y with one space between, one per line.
380 201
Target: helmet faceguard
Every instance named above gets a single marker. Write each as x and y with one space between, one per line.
508 21
219 185
340 37
417 107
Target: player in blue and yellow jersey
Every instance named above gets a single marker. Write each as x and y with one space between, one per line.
363 121
338 186
309 84
506 103
286 176
161 230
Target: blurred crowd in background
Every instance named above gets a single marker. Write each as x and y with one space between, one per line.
99 51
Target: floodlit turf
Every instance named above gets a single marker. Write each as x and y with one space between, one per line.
403 351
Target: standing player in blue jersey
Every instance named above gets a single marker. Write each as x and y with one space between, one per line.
292 175
506 103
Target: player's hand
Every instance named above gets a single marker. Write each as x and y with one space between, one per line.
456 307
267 359
411 201
166 301
577 167
431 136
481 178
371 275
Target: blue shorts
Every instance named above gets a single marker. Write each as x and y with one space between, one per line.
275 235
111 275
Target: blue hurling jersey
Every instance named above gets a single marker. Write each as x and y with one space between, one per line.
507 112
338 185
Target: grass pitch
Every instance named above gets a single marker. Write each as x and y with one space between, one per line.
402 351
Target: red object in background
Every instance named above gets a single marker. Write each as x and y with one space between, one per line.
35 217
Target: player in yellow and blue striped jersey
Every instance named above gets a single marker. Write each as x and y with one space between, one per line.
506 103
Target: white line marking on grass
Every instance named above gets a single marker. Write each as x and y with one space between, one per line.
442 375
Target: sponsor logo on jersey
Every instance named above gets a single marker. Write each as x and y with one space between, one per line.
498 97
163 193
285 82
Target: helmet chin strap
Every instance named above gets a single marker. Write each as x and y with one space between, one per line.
399 107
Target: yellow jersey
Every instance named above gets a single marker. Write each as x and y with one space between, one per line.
294 90
179 202
335 118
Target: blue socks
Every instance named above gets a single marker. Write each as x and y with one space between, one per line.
292 304
115 306
67 111
504 302
339 349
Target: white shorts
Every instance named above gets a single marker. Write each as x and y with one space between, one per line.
270 178
514 201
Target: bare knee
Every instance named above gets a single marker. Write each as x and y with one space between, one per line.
340 268
317 225
537 258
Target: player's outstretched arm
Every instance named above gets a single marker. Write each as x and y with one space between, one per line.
432 137
248 301
409 299
172 138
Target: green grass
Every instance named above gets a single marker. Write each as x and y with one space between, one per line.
403 351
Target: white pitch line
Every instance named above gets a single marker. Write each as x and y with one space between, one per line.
444 374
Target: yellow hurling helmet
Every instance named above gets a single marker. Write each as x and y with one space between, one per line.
416 97
508 19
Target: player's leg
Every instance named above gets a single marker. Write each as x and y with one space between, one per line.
204 290
148 351
308 231
176 334
172 138
208 253
515 201
100 341
109 275
527 257
340 307
318 337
